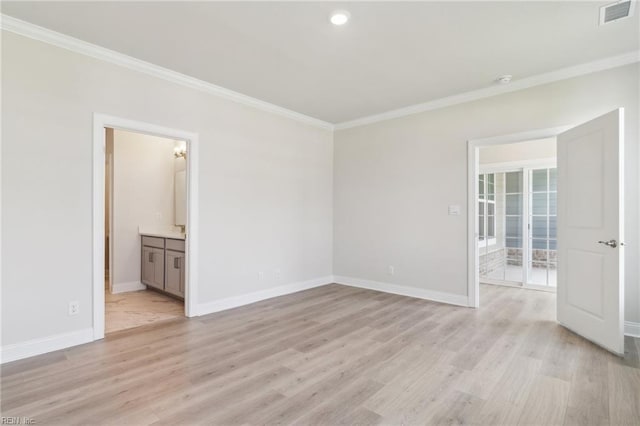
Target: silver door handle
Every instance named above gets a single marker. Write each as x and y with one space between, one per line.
151 257
610 243
176 263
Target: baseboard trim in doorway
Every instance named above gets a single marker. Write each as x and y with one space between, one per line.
246 299
44 345
435 296
125 287
632 329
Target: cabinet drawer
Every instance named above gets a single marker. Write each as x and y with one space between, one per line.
177 245
153 242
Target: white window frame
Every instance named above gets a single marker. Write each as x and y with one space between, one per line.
486 201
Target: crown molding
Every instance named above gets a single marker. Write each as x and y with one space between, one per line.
525 83
73 44
36 32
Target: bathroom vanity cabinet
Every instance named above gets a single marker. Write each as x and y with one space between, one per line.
163 264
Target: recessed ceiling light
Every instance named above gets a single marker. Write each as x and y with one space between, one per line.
340 17
504 79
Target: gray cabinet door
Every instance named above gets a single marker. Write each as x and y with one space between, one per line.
158 268
174 273
183 267
148 268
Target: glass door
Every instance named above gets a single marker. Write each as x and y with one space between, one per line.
542 241
500 210
517 227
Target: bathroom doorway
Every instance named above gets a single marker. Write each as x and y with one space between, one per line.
145 224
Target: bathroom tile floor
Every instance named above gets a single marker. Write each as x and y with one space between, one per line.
136 308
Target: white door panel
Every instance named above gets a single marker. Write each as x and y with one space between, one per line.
590 212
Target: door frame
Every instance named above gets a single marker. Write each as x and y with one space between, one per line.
473 168
100 122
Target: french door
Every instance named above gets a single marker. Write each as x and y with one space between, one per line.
517 210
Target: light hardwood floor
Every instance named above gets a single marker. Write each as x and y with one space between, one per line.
338 355
136 308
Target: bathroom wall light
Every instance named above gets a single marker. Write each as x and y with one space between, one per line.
180 152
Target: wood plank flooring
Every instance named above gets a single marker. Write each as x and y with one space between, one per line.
136 308
338 355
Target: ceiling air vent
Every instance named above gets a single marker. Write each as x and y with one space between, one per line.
613 12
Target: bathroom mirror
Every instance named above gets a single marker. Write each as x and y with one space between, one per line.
180 184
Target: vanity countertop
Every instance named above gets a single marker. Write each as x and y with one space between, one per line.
164 234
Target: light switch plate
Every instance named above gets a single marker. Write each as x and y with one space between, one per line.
454 210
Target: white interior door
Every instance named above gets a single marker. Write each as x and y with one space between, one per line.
590 229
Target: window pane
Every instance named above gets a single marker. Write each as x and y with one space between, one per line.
513 226
553 228
491 197
539 203
481 185
537 244
539 227
553 179
513 182
481 228
553 245
481 208
513 242
514 203
537 273
491 224
491 179
539 180
491 208
553 203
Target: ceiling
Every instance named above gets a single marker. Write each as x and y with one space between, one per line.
390 55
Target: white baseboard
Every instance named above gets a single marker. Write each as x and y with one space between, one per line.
436 296
632 329
245 299
125 287
34 347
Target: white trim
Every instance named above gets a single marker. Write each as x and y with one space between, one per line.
100 121
420 293
36 32
43 345
257 296
473 166
512 166
632 329
126 287
474 95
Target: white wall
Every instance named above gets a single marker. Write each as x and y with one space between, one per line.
531 150
265 185
393 180
143 196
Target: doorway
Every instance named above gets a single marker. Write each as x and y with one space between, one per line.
144 195
182 253
517 216
589 221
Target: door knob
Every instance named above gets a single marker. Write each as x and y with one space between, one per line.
610 243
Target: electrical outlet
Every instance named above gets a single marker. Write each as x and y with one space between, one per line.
74 307
261 275
278 274
392 270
